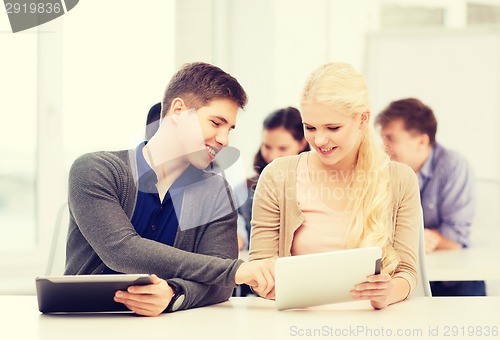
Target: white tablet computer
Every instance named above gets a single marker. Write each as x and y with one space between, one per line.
84 293
317 279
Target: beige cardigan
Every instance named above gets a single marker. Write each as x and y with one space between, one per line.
276 214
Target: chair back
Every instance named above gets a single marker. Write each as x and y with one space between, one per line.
57 252
423 287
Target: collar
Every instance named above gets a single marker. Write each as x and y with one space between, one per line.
428 169
148 179
147 176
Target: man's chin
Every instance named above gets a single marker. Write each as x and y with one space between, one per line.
200 161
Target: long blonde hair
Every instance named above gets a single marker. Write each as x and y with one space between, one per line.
341 87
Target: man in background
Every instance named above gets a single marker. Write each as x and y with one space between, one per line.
446 180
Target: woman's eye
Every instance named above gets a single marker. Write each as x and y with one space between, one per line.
334 128
309 128
215 123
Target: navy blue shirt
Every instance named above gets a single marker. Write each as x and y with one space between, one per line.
154 219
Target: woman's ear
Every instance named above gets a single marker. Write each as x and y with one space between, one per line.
365 119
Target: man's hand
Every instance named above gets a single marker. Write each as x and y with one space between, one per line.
147 300
259 275
432 239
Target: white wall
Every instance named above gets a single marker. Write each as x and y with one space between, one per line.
98 69
117 61
456 73
272 46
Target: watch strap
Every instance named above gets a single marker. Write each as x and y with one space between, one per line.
178 297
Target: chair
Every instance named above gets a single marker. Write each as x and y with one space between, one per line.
57 251
423 287
153 120
485 231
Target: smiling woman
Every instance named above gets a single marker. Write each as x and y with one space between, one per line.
302 207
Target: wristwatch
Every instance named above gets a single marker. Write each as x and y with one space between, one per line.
177 298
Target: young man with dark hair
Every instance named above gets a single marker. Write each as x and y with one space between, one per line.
155 210
447 184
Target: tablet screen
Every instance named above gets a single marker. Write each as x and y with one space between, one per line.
84 293
323 278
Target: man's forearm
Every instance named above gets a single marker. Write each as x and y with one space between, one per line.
447 244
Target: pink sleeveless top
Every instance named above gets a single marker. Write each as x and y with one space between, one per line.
324 229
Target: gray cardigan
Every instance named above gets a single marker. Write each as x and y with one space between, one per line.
101 198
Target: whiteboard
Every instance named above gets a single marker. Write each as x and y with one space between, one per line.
456 73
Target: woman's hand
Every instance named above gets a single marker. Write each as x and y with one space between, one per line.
377 289
259 275
147 300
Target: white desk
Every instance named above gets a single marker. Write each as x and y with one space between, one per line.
467 264
464 264
255 319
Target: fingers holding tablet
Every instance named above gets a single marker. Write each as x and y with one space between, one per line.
147 300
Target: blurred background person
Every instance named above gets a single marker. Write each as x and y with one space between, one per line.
283 135
446 180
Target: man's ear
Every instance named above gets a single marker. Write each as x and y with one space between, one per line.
177 106
424 139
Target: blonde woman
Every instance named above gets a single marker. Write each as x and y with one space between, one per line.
345 193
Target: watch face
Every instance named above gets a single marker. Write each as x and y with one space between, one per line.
178 302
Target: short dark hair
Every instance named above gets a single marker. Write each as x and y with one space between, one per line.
289 119
198 83
416 116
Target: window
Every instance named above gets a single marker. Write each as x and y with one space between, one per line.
479 14
18 138
395 16
72 85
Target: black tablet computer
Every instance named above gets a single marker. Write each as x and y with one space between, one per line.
84 293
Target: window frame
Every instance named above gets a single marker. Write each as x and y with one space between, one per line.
18 276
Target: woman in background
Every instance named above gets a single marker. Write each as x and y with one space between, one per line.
343 194
283 135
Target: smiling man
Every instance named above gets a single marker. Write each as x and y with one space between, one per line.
446 180
155 210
